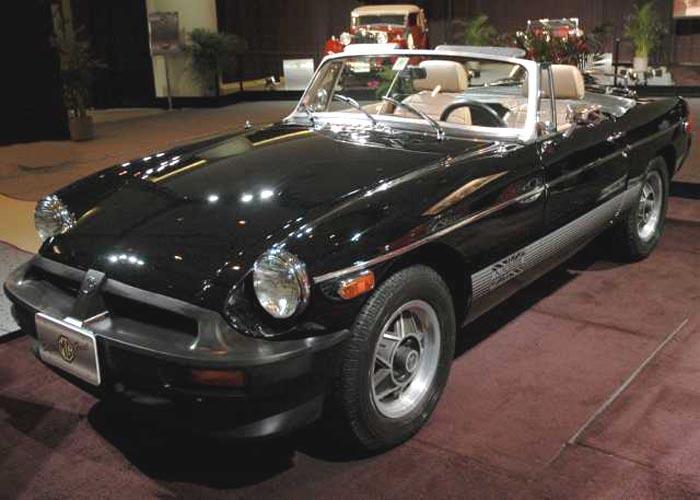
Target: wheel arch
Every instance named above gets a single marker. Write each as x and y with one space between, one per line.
668 153
449 264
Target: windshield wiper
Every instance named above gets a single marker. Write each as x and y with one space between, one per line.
436 126
352 102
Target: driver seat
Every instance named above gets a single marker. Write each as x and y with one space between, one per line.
443 84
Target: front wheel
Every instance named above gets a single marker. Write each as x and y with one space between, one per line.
397 361
639 230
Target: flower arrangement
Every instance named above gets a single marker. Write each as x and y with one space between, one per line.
540 45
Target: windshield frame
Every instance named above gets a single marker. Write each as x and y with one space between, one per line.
527 133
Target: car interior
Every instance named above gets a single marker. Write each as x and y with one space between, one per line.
441 89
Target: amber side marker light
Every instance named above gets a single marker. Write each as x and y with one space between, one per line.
218 378
689 124
351 288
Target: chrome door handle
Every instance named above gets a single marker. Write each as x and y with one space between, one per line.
612 138
531 191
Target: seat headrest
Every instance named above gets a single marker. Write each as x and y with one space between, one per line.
568 82
450 75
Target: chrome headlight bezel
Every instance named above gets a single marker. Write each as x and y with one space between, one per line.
281 283
382 37
345 38
52 217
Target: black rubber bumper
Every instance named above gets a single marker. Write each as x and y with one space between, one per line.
147 368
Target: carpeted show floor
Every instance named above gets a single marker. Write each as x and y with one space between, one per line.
584 385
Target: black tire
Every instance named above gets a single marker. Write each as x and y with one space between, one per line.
354 412
627 243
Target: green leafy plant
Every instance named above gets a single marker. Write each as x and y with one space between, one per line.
644 28
476 31
77 66
213 54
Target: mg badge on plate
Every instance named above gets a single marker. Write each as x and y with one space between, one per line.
68 347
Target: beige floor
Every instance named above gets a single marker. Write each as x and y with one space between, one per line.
17 224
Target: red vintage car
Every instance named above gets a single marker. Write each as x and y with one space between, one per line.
403 25
558 28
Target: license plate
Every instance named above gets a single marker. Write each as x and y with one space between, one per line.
68 347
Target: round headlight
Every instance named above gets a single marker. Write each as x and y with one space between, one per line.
52 217
382 37
281 283
345 38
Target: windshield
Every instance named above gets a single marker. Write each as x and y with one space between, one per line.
449 90
398 19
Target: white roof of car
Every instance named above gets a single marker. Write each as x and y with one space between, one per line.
385 9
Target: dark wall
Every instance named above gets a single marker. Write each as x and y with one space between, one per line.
118 30
282 29
32 108
686 43
277 29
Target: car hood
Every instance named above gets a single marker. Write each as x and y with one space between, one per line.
185 220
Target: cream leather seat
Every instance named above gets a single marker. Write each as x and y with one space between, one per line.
443 84
569 88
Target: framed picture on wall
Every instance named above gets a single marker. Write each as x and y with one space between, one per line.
164 33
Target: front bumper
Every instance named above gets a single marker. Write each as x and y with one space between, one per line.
148 345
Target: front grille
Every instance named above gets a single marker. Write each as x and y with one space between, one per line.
366 37
123 307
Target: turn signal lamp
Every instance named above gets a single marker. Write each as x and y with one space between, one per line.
353 287
218 378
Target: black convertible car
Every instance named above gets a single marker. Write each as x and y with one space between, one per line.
321 266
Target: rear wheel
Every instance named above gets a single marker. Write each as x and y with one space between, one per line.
638 233
397 361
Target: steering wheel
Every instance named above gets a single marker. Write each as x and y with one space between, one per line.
463 103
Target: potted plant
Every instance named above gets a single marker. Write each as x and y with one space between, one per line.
213 54
644 28
76 70
476 32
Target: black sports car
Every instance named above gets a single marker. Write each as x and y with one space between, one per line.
254 282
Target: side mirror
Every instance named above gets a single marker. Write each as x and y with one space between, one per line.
587 116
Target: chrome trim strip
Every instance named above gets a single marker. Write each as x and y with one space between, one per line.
653 136
555 243
431 237
587 166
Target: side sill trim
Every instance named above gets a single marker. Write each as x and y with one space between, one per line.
555 243
359 266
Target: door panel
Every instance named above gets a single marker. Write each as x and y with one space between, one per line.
582 171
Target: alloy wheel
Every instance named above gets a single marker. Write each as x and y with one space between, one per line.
406 359
649 206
